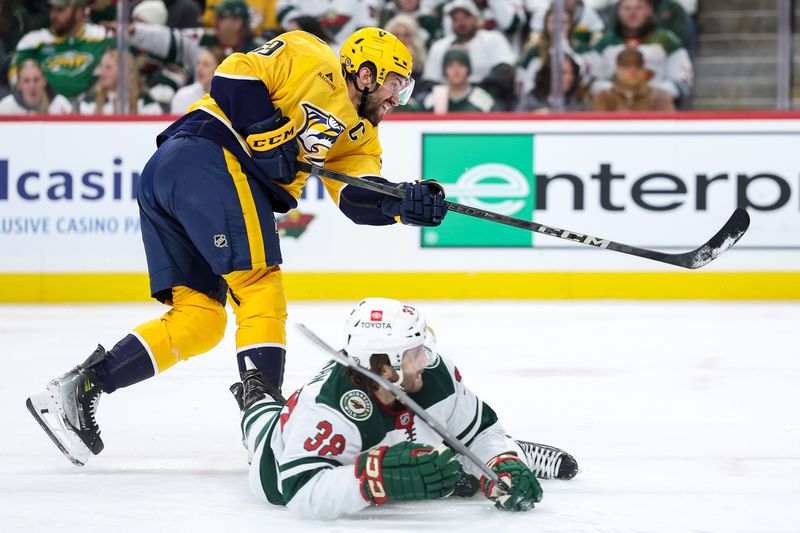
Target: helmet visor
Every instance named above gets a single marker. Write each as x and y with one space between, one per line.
405 93
416 359
400 86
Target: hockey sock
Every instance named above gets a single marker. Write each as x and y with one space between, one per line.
269 360
259 302
125 364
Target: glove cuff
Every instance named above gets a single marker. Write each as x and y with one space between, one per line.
369 470
265 141
487 486
500 458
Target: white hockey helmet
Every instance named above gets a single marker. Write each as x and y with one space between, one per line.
384 326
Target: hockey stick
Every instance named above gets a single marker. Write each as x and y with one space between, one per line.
456 444
726 237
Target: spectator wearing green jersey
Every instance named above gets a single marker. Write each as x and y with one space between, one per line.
461 95
671 16
69 51
665 58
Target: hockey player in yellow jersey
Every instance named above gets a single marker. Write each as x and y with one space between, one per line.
207 201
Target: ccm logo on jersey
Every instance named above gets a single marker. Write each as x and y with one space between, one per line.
320 130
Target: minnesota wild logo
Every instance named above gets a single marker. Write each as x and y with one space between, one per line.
293 224
356 404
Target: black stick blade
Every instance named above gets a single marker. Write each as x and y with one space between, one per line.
726 237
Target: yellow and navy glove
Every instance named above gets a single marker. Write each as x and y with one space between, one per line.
406 471
274 147
523 487
422 203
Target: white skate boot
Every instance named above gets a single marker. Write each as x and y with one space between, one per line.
66 411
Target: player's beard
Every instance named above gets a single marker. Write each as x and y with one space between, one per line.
411 382
373 110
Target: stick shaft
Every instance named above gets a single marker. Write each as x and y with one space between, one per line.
726 237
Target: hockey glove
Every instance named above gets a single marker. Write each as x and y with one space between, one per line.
406 471
422 204
274 147
523 487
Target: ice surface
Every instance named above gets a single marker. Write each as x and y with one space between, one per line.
683 417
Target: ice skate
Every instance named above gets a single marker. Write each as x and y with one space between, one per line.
256 387
67 410
548 462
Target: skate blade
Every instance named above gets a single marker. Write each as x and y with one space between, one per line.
45 411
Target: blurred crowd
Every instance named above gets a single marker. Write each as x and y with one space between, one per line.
61 56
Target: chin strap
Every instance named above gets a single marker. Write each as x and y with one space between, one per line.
365 92
398 382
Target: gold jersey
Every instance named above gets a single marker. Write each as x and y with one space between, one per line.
303 78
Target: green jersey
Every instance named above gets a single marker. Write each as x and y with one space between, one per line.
68 62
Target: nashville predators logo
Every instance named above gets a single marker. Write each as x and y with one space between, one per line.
319 132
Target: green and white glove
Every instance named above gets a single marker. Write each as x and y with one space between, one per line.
523 487
406 471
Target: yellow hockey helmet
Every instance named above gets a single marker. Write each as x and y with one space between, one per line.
385 51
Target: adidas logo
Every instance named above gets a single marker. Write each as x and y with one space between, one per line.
327 78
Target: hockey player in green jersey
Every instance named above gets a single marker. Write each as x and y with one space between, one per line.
69 51
342 443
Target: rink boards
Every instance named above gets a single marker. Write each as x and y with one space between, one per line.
69 220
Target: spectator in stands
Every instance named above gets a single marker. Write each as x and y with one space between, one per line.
530 66
490 54
233 27
408 31
183 13
532 6
160 78
665 57
311 25
587 26
429 22
182 46
207 62
150 12
460 94
539 97
632 90
101 11
102 99
670 15
506 16
262 17
32 95
17 17
340 17
69 51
